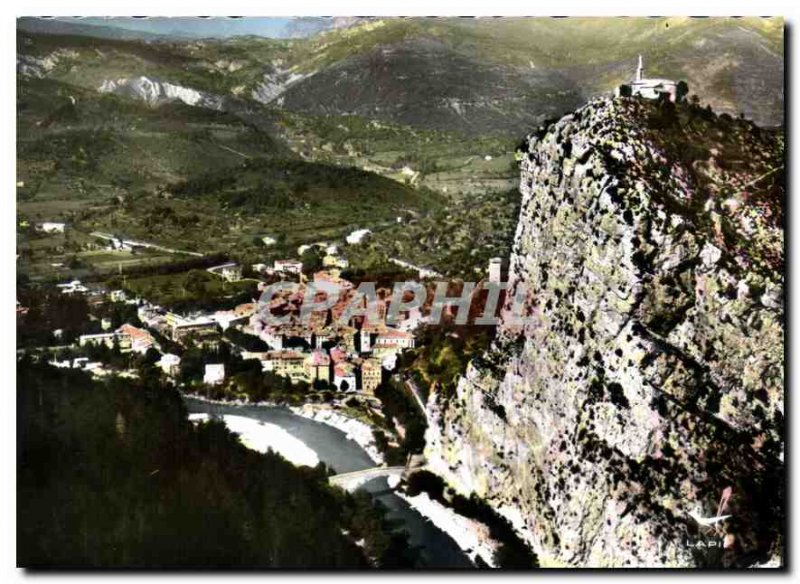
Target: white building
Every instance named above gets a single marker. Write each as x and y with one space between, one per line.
230 272
80 362
650 88
215 374
150 315
117 296
288 266
365 341
357 236
170 364
226 318
107 339
50 227
394 338
344 377
495 269
74 287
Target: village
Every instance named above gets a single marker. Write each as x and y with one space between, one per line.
324 354
329 351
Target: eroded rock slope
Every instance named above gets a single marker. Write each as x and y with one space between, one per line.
649 384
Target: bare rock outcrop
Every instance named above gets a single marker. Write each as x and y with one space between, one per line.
647 386
154 92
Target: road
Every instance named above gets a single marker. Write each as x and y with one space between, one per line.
423 272
412 387
352 480
133 243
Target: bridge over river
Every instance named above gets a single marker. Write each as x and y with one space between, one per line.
350 481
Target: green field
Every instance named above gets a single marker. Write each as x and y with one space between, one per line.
194 287
182 177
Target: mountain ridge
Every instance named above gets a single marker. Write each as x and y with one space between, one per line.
524 70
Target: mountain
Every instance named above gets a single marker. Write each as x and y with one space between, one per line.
164 28
306 26
435 104
77 27
468 75
426 83
647 385
484 75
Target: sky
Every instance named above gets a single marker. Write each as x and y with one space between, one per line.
198 27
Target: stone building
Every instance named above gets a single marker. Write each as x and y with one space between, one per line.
371 375
648 88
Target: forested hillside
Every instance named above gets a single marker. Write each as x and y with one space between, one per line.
114 475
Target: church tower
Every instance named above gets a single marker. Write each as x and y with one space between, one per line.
640 70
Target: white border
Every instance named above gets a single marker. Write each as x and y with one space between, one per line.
405 8
314 8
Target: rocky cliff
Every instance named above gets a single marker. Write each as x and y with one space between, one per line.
646 390
154 92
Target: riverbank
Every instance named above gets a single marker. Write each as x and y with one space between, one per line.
262 436
333 440
355 430
471 536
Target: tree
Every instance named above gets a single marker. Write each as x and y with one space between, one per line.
312 259
152 356
321 384
682 90
164 484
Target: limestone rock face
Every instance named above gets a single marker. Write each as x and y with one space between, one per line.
648 379
275 83
154 92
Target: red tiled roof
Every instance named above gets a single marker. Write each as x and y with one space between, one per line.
343 370
136 334
284 355
320 358
395 334
337 355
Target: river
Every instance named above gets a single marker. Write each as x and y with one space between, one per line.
436 549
